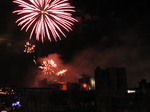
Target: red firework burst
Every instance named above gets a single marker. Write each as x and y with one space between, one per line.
46 17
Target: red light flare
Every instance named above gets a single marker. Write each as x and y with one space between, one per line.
85 86
46 18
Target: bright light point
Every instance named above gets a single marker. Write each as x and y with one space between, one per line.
131 91
42 12
16 104
84 85
92 82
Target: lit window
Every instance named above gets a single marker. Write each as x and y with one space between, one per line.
131 91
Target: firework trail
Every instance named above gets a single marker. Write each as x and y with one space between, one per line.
61 72
47 18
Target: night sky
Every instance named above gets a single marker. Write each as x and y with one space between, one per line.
108 34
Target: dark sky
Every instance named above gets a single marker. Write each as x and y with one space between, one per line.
109 33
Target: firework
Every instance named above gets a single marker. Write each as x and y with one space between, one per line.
47 67
50 67
61 72
52 63
29 48
47 18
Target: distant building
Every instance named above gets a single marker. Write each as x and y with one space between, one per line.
106 92
87 83
73 86
58 86
144 87
111 82
47 100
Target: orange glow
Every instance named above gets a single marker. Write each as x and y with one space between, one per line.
84 85
3 111
63 87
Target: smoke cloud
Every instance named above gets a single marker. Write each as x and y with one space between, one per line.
86 61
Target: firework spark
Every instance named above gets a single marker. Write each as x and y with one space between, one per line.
50 67
46 17
29 48
47 67
61 72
